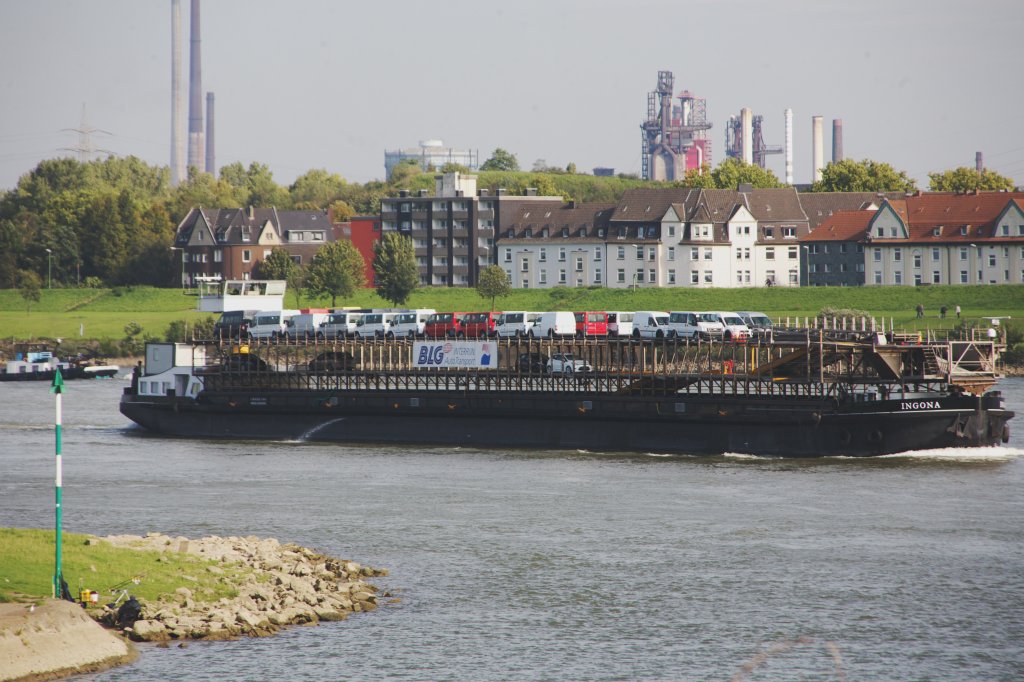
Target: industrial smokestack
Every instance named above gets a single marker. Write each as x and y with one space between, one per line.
817 144
979 162
747 126
837 140
195 96
177 101
211 166
789 146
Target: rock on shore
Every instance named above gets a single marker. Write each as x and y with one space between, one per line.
53 638
286 585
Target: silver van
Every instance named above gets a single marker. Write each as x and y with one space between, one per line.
410 324
339 325
683 325
304 325
375 326
515 323
270 324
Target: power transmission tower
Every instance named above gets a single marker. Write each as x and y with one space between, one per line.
85 147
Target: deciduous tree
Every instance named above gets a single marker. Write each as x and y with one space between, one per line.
493 283
29 286
965 179
501 160
336 270
395 269
863 176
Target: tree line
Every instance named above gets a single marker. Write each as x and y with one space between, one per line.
111 222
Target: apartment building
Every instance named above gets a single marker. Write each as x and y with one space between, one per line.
453 230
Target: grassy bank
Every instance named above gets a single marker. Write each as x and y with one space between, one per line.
27 565
103 313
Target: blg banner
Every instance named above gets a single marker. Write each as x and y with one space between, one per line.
462 354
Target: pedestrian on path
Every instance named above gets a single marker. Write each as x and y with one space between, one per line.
958 312
920 310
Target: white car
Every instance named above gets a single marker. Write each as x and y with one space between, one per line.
566 363
731 326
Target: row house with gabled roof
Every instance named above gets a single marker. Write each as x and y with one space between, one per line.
923 238
230 242
547 245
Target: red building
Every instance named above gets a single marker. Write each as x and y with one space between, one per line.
363 231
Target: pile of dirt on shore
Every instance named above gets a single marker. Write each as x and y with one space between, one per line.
47 638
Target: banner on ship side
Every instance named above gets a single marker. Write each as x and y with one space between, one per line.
461 354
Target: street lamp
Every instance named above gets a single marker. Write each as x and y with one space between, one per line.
49 279
178 248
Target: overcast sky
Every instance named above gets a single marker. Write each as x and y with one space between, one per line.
304 84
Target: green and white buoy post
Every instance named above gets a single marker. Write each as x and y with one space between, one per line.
57 388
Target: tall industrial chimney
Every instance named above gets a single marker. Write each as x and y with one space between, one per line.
211 165
747 127
837 140
789 146
817 143
177 101
979 162
195 96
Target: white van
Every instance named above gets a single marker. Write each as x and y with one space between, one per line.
620 324
304 325
760 324
733 326
554 323
339 325
650 324
515 323
711 325
683 325
410 324
375 325
270 324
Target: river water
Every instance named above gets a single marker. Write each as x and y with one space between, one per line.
545 565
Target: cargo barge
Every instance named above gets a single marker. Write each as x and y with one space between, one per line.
807 394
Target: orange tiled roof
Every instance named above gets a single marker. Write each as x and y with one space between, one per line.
842 226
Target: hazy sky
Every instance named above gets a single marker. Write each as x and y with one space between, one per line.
304 84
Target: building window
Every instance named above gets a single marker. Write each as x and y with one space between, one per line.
621 254
561 276
707 254
525 264
769 253
652 276
651 253
671 230
671 253
561 254
739 277
707 277
620 275
695 277
859 267
597 275
694 253
597 256
963 253
878 277
794 278
936 277
991 260
508 255
246 255
963 277
543 277
878 255
543 256
671 276
769 233
897 277
917 280
218 256
917 260
579 263
843 267
246 233
792 253
812 267
897 255
842 248
639 253
789 233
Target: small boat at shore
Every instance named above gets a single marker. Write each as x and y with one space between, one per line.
40 364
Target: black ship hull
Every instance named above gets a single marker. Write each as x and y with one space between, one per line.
690 424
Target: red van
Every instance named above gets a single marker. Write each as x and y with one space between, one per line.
479 325
444 326
591 324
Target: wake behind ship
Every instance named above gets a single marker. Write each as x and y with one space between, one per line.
805 394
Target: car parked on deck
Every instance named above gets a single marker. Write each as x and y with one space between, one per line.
566 363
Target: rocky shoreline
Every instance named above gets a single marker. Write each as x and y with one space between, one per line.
286 585
277 585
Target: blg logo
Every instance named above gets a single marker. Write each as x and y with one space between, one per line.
431 355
